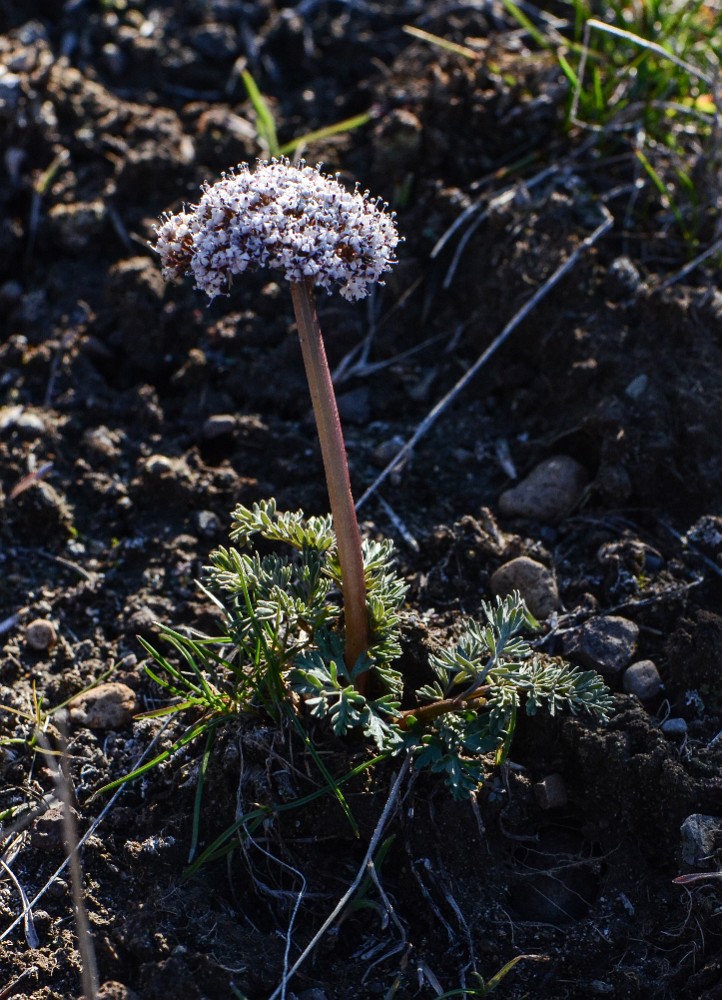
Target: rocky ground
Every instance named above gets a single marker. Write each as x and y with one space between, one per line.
581 463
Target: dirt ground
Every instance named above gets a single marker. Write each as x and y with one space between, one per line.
133 417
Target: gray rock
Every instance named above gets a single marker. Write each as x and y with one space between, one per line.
218 426
48 831
354 406
642 678
534 581
674 727
637 387
548 493
701 839
623 279
206 523
551 792
606 643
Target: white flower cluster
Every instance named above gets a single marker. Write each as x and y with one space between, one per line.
293 218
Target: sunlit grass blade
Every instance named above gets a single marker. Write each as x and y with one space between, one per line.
441 42
324 133
265 122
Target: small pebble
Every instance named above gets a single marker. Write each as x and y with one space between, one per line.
112 990
387 450
40 635
551 792
642 678
206 523
623 279
701 839
108 706
534 581
606 643
165 480
397 141
354 406
48 830
160 465
30 424
548 493
219 425
103 442
674 727
637 387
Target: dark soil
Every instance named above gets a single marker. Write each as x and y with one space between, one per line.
114 487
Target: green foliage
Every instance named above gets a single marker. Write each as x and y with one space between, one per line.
281 652
266 125
482 681
643 78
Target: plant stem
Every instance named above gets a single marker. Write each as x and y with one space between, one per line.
424 714
333 452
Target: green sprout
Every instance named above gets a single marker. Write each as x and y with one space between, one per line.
268 133
643 78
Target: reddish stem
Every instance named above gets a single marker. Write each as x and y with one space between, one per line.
424 714
333 452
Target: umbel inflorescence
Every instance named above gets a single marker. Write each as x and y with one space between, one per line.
292 218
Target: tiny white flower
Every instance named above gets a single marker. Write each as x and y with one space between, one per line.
293 218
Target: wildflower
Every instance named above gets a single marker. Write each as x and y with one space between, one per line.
305 224
292 218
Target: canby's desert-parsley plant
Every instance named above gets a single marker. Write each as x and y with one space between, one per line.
308 226
285 648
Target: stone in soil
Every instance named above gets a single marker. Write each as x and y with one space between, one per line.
48 830
40 635
642 678
701 839
219 425
551 792
674 727
548 493
534 581
607 643
107 706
